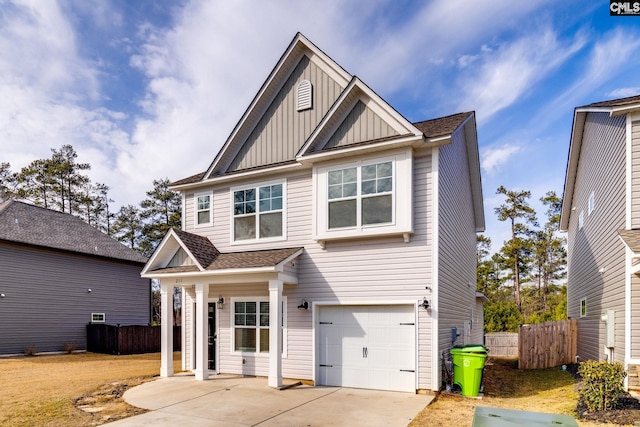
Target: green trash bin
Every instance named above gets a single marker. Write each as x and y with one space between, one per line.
468 364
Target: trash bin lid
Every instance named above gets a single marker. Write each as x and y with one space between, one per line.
472 348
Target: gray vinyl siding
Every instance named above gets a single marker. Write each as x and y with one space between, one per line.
457 244
376 270
635 224
596 255
283 130
47 304
361 124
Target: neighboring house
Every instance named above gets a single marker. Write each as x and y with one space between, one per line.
601 213
57 274
331 240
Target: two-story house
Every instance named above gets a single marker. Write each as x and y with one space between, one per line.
601 213
330 240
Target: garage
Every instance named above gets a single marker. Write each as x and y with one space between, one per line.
367 346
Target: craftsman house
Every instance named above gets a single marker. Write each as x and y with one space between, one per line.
330 240
57 274
601 213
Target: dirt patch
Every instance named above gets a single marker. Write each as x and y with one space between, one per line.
105 404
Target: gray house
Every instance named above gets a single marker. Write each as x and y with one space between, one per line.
330 240
57 274
601 214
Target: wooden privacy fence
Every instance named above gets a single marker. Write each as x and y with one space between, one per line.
548 344
116 339
502 344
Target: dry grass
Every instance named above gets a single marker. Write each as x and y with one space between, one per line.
548 390
42 390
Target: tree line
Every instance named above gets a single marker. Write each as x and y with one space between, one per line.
60 183
524 279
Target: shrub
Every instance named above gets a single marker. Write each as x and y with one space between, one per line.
602 384
69 348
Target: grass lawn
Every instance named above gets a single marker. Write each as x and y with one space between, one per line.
545 390
42 390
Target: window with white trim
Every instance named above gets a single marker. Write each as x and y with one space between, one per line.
583 307
258 212
97 317
203 209
591 204
251 325
365 197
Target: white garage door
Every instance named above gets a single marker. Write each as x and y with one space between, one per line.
367 347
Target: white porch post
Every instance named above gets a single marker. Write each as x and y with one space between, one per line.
275 333
166 329
202 332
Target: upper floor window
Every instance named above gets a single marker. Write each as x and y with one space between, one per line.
203 209
364 197
583 307
258 212
581 220
591 204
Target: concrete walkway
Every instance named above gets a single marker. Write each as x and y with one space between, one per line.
227 400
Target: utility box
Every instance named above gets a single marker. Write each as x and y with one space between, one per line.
498 417
610 328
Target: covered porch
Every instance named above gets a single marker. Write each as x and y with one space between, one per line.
209 280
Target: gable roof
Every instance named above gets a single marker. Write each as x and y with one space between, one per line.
614 107
27 224
208 259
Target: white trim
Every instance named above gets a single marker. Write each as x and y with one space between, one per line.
256 186
435 275
627 251
183 217
586 309
402 198
196 196
232 326
101 318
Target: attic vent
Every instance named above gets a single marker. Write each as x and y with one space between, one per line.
305 95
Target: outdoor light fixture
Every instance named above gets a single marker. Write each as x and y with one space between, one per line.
89 290
220 302
425 303
2 295
304 305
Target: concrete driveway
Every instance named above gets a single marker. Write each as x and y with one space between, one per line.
227 400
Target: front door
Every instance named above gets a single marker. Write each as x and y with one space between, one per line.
212 335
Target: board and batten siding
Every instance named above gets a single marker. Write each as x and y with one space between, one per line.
635 224
283 129
596 255
457 244
47 303
361 124
373 270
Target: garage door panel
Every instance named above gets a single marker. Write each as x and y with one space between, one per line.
368 347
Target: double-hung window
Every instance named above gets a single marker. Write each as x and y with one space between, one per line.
365 197
361 196
258 212
251 325
203 209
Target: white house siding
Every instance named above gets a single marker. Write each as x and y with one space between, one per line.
457 244
47 303
596 255
284 124
635 224
378 270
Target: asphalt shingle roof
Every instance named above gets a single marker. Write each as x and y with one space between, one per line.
631 238
616 102
32 225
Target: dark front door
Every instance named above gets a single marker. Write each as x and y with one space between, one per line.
212 335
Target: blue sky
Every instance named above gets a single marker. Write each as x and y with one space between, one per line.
149 89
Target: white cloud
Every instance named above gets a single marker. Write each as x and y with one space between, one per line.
624 92
493 158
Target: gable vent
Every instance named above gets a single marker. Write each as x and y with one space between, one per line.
305 95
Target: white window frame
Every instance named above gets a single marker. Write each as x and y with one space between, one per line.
98 318
583 303
257 187
581 220
196 209
401 194
591 204
232 323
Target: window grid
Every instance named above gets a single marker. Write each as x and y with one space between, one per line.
203 209
251 326
258 212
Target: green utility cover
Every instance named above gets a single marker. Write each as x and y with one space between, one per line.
495 417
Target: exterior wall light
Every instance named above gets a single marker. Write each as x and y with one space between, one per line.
220 302
304 305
